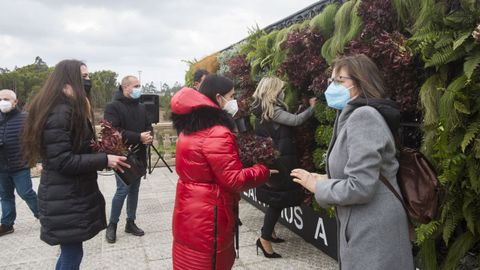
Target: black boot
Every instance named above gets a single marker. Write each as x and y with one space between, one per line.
5 229
132 228
111 234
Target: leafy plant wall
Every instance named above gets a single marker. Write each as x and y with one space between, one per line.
429 60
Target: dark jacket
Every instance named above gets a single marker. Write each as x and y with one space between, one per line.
211 177
11 125
72 208
130 118
280 129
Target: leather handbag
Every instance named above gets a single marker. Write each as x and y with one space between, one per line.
419 186
136 170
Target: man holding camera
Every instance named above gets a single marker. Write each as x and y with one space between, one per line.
14 172
129 116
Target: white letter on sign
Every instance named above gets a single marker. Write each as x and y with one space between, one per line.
320 231
298 217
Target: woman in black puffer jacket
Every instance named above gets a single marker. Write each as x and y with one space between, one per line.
59 132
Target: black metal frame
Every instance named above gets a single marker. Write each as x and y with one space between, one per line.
149 153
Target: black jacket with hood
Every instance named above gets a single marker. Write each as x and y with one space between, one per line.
71 206
130 117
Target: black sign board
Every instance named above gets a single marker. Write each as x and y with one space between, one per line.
316 228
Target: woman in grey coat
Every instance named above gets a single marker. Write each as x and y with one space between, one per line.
372 224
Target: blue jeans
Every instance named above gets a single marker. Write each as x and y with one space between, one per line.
70 256
124 191
21 181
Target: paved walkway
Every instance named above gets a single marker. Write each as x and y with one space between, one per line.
24 250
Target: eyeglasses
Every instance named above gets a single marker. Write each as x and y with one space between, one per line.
338 80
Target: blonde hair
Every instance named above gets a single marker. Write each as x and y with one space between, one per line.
266 96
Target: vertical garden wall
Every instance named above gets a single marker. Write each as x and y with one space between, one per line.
429 60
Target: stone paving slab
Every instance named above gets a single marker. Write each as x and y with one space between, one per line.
23 249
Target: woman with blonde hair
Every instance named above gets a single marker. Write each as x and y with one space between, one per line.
273 120
372 224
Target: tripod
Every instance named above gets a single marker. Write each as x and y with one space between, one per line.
149 153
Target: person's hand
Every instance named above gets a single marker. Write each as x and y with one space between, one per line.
306 179
146 138
476 33
312 101
39 167
273 172
117 162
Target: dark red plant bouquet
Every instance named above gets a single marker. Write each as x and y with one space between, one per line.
255 149
110 142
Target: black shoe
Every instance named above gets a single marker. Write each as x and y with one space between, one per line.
5 229
273 240
274 255
277 240
132 228
111 234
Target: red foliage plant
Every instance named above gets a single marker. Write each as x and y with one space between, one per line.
387 48
109 141
239 71
255 149
304 66
305 69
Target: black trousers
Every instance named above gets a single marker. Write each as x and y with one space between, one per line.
271 217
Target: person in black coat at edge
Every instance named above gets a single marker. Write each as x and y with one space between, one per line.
129 116
273 120
59 131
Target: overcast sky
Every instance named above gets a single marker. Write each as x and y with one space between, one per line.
153 36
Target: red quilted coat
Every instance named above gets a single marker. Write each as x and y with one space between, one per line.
210 180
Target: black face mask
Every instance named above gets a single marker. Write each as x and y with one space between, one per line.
87 85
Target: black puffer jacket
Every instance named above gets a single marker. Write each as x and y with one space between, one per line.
11 125
130 118
72 208
283 140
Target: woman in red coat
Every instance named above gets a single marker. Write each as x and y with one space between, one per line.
211 176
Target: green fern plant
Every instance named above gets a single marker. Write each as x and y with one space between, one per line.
324 22
347 26
451 101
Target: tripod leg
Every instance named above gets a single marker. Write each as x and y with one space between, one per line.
149 153
160 156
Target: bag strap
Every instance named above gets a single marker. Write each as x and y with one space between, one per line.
411 229
392 189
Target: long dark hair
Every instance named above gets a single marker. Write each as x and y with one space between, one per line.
51 95
215 84
206 117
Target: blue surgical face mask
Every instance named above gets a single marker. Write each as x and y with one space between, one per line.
136 93
337 96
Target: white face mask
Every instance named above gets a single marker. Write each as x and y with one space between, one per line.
231 106
5 106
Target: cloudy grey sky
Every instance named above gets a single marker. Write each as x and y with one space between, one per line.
153 36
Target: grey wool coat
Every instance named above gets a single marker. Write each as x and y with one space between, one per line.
372 224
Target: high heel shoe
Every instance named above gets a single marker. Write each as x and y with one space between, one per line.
274 255
276 240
